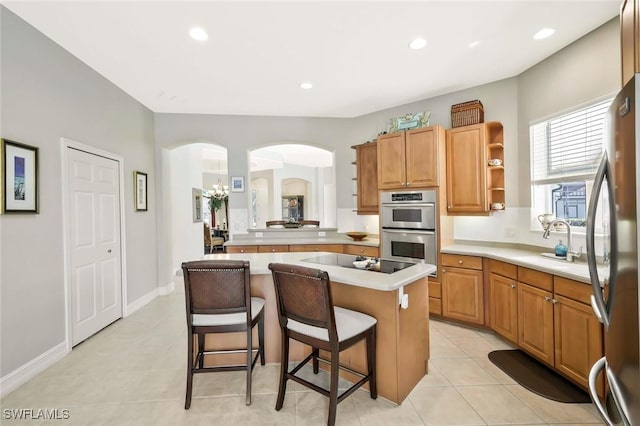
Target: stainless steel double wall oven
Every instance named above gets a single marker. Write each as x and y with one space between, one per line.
409 226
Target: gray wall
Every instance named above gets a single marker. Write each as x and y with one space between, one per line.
47 94
585 70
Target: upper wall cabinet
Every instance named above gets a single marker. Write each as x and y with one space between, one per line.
409 159
367 177
630 39
475 187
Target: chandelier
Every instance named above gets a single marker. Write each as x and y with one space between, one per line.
219 191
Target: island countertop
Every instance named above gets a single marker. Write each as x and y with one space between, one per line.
259 265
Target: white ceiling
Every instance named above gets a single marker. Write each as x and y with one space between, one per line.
355 53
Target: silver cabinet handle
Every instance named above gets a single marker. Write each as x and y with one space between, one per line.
554 301
547 298
513 286
593 375
460 262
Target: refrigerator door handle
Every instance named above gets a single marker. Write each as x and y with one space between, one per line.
593 375
597 299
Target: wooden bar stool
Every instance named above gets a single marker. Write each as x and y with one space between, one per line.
306 314
218 300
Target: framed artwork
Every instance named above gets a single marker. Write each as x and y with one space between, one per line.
196 201
237 183
140 191
19 177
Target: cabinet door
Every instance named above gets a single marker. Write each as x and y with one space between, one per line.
367 165
503 307
242 249
462 295
535 322
361 250
280 248
421 150
466 170
578 339
629 44
391 161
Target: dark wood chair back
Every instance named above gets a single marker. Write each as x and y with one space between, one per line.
309 223
275 223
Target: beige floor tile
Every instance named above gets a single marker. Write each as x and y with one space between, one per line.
502 377
473 346
313 409
552 411
463 371
443 406
497 342
444 348
497 405
381 412
433 378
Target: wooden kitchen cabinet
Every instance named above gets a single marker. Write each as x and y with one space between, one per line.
333 248
629 39
462 288
242 249
409 159
535 322
472 184
578 335
367 178
361 250
503 310
276 248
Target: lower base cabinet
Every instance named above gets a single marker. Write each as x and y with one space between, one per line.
535 322
503 312
462 289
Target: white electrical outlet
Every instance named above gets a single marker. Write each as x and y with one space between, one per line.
258 234
322 234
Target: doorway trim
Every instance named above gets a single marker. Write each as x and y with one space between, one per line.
71 144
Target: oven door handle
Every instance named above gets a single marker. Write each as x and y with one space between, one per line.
407 231
415 205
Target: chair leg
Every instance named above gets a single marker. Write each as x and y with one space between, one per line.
249 362
315 352
333 388
371 363
284 366
200 350
261 338
187 397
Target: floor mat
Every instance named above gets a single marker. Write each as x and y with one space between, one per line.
538 378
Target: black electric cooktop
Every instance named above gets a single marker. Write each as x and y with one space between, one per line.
346 260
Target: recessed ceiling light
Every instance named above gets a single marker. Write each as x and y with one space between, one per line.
306 85
544 33
198 33
418 43
473 44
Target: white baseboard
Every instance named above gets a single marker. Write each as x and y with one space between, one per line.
31 369
142 301
167 289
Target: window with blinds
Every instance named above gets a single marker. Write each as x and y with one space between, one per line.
565 153
569 146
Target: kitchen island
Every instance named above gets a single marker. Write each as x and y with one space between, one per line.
402 346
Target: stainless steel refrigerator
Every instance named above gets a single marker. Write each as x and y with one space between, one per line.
615 296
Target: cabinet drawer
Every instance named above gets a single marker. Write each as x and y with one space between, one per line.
361 250
273 248
435 290
505 269
537 279
242 249
471 262
334 248
435 306
580 292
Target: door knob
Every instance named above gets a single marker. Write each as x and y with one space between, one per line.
109 251
513 286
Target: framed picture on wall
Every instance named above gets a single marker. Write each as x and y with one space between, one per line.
140 191
237 183
19 177
196 201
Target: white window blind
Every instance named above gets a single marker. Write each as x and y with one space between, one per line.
569 146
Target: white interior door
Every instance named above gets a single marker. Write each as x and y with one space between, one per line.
94 224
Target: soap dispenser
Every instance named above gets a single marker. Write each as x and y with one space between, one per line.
561 249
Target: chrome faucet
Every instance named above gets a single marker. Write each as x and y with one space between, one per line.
570 253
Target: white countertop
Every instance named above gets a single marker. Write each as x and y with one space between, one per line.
576 270
373 242
259 264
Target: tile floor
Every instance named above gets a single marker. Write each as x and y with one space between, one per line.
133 373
